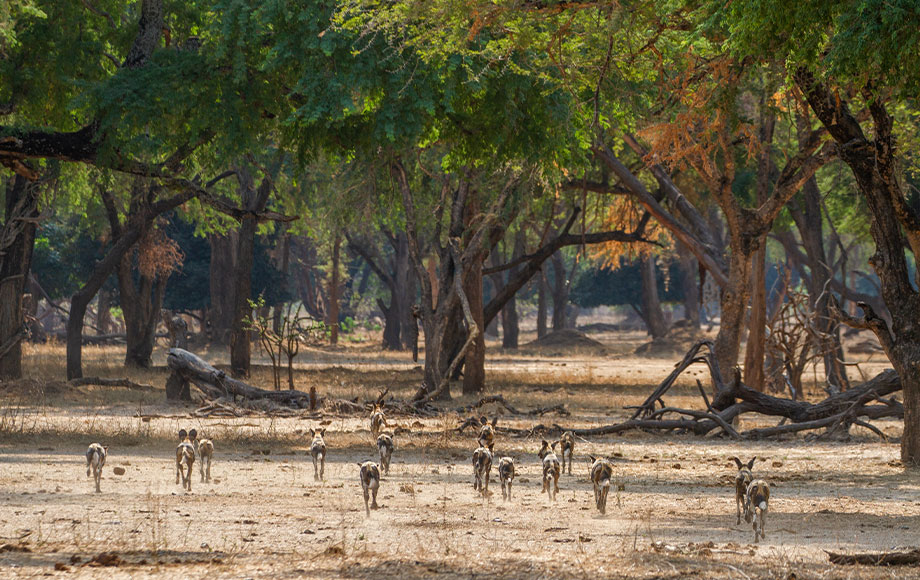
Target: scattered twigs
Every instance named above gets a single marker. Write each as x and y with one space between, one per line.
500 400
907 558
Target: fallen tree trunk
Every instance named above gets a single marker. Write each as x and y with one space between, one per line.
214 383
500 400
125 383
909 558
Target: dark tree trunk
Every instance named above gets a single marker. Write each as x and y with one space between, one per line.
474 376
141 305
689 280
254 200
542 291
391 326
651 303
404 292
332 316
756 344
560 291
732 304
15 262
806 211
223 264
284 266
104 311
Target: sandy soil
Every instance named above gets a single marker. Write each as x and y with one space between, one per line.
264 516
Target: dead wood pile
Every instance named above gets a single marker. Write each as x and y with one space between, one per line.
836 413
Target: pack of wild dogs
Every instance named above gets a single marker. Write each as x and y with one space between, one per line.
752 495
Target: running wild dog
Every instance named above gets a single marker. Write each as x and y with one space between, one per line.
756 501
482 466
506 475
601 473
567 443
318 452
378 420
486 432
385 447
551 468
95 460
742 480
205 450
370 483
185 458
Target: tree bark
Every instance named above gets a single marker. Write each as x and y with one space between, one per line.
474 376
651 303
560 292
284 267
542 291
141 305
334 292
18 239
223 263
689 281
254 201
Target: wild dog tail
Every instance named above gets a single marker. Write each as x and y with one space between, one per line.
763 506
605 483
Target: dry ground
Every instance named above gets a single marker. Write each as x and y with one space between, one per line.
264 516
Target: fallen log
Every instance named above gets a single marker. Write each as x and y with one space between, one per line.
214 383
100 382
908 558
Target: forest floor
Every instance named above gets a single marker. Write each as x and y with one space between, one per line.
671 513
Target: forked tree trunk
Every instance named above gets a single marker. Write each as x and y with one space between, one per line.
15 261
141 305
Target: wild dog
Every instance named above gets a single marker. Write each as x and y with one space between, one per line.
742 480
506 476
318 453
385 447
205 450
756 502
482 466
486 436
601 473
551 468
95 460
185 458
370 483
378 420
567 443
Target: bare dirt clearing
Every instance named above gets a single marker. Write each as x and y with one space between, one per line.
264 516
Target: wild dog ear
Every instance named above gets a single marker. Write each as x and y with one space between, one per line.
322 431
544 443
312 432
554 445
182 434
738 462
483 421
106 448
750 464
494 421
193 434
593 458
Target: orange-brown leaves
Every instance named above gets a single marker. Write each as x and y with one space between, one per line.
158 254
